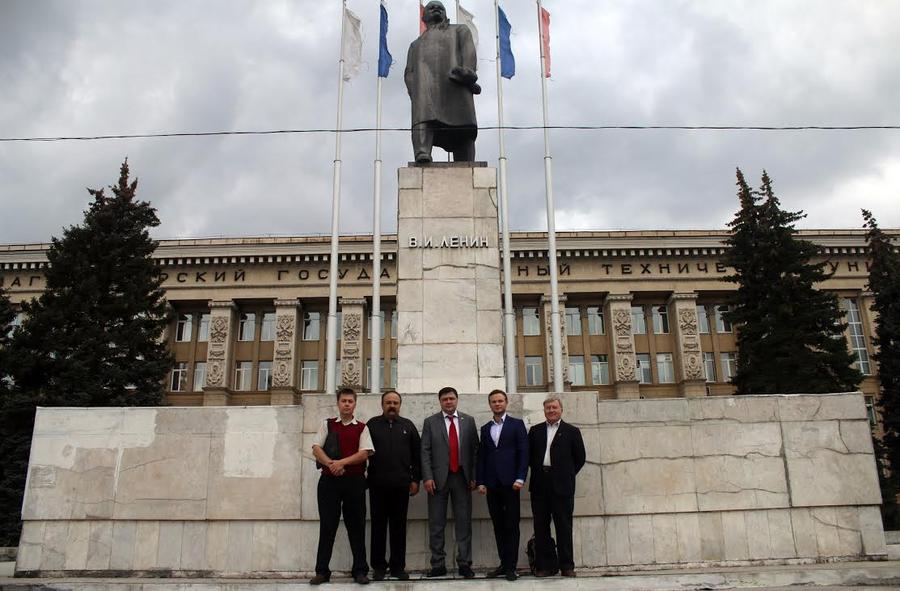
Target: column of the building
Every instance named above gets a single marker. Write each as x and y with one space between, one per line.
353 362
618 310
219 353
688 355
284 365
563 338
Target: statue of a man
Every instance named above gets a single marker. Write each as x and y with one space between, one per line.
440 77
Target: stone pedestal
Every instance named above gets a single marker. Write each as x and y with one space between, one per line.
448 279
688 357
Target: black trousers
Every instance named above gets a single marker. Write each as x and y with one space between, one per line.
503 505
347 495
389 506
545 505
459 141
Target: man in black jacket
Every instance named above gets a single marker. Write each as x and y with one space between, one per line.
393 477
556 451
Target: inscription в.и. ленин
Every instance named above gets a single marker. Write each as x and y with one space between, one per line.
454 241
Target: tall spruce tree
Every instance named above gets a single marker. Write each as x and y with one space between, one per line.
790 334
93 337
884 282
11 467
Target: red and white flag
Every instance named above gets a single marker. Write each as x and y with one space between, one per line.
421 17
545 40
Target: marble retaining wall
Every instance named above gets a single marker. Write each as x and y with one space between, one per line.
231 490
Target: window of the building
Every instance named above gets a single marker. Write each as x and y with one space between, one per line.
534 371
311 326
702 320
393 378
729 366
17 321
709 366
179 377
722 325
247 327
642 360
870 411
857 336
665 368
660 320
576 369
394 324
199 376
573 323
183 328
638 322
367 379
265 376
531 322
203 329
599 370
267 330
243 375
309 375
595 320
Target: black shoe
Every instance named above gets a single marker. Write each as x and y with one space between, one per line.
319 579
496 573
378 574
466 572
437 571
400 575
511 575
569 572
361 579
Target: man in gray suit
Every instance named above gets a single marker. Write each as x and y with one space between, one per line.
449 444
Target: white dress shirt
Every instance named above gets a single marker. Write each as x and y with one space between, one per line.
551 433
496 428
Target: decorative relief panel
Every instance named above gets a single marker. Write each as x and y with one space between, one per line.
563 337
284 350
623 340
217 349
351 343
690 344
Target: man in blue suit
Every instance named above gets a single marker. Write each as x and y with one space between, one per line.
501 471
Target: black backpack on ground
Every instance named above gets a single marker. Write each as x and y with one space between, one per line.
529 551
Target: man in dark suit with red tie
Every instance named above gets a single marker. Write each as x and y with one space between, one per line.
502 468
556 455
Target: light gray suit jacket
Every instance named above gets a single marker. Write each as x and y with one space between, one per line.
436 448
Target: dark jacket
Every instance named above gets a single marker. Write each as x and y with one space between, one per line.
504 463
567 457
396 458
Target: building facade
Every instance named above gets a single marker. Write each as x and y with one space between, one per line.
643 312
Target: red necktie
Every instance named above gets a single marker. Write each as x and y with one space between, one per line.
454 446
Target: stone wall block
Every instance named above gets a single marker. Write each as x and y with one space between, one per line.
409 177
443 364
240 547
823 470
289 546
592 535
170 538
781 532
409 203
848 529
484 178
649 486
100 545
409 297
76 548
824 519
217 546
146 546
265 536
822 407
734 535
804 533
447 193
758 439
449 314
640 536
53 556
632 443
734 482
31 543
123 539
759 541
193 545
687 530
643 411
665 539
871 531
712 537
618 545
758 409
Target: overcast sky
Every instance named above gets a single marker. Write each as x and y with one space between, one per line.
91 67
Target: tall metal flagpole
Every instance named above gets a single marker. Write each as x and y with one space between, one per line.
331 334
509 316
457 13
556 345
377 322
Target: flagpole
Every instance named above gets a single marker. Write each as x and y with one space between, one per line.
509 317
457 13
331 334
377 315
556 344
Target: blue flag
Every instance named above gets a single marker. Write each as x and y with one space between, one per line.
384 56
507 61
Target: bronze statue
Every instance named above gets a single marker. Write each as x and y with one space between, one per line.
440 78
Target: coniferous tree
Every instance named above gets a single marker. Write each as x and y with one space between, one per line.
11 467
790 334
93 337
884 282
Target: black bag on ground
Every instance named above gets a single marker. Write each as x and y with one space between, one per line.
530 552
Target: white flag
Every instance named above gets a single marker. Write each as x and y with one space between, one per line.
351 44
466 18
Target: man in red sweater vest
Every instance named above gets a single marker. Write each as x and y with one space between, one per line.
341 448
